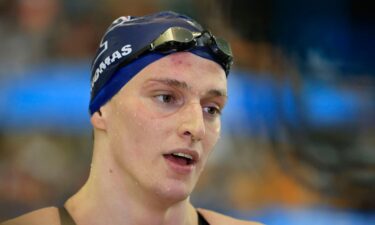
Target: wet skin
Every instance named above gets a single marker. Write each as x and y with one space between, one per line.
172 106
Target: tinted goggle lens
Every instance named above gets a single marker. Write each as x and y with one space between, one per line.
174 37
223 46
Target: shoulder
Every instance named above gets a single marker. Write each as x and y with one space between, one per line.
44 216
215 218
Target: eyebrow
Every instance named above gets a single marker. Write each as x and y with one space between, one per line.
184 85
174 83
217 93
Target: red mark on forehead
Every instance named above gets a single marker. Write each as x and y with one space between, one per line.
187 60
179 59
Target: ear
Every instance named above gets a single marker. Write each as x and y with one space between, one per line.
98 121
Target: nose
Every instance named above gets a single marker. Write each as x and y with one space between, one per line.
192 124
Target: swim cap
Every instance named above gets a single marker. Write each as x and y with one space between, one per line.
125 50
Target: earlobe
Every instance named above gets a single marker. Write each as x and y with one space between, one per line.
98 121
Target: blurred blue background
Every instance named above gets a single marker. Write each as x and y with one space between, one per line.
298 142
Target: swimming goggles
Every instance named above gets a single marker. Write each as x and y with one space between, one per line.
176 39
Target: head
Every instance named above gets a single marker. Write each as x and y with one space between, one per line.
157 114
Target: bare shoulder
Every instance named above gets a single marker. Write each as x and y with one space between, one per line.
215 218
44 216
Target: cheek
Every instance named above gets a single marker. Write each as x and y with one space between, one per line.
212 136
127 127
143 129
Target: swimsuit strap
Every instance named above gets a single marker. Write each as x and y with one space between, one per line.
202 220
65 217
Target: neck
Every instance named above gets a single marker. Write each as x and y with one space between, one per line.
110 198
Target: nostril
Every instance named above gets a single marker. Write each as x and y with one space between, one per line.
187 133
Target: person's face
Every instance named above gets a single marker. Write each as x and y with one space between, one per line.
163 123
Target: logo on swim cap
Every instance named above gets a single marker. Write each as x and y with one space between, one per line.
111 58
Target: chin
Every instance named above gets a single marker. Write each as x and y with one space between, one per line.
175 192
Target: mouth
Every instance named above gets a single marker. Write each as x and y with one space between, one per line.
182 160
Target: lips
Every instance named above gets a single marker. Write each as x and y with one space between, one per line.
182 160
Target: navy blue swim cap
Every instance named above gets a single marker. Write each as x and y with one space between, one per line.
117 59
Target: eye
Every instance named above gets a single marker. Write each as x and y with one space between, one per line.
165 98
212 110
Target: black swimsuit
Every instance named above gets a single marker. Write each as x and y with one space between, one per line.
66 219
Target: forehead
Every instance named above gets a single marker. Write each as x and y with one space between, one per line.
188 67
190 60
